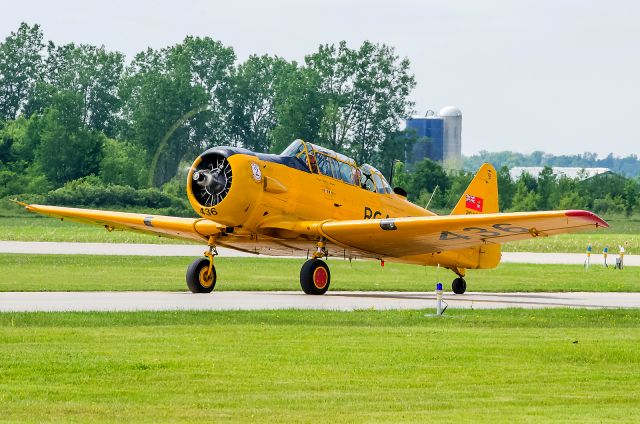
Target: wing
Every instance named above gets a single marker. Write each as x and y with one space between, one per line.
198 229
397 237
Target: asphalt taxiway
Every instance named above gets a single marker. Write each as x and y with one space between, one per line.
131 249
338 300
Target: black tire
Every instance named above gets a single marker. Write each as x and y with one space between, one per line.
196 276
459 286
315 277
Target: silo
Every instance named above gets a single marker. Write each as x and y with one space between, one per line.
429 132
452 143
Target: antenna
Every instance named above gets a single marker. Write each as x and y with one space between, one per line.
431 198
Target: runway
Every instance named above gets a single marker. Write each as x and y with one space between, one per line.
130 249
337 301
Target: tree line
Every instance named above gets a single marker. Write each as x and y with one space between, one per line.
608 193
628 166
71 111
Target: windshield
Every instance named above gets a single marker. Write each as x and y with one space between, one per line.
338 166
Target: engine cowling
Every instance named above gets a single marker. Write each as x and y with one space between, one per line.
224 185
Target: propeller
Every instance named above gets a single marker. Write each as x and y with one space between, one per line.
212 180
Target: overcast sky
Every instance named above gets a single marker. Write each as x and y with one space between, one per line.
560 76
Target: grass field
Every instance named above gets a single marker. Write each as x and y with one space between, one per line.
312 366
48 229
35 228
85 272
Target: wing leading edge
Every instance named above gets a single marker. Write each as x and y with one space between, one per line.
197 229
398 237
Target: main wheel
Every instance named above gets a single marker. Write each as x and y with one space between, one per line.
315 277
459 286
197 279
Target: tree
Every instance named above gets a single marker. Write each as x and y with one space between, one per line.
66 149
545 187
176 102
253 93
426 175
123 164
364 96
299 109
506 189
20 68
88 71
630 196
525 199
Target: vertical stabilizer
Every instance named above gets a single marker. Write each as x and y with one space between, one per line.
482 194
482 197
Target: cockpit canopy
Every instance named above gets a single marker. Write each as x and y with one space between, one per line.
335 165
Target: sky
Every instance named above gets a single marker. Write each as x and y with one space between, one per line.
560 76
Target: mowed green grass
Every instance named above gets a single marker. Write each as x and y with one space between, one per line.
39 228
90 273
36 228
314 366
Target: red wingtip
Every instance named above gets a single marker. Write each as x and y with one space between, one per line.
589 216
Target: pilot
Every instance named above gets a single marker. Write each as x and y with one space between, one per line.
313 163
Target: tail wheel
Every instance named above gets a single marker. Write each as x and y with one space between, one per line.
459 286
315 277
199 280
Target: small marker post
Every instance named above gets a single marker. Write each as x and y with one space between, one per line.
588 262
438 299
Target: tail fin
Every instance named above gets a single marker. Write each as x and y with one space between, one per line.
482 194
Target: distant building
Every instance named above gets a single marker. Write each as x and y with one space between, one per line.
558 171
439 137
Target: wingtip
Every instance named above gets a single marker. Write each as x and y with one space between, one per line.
590 216
25 205
19 202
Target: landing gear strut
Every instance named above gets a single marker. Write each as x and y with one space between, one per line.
201 274
314 274
459 286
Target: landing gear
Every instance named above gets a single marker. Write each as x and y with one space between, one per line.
315 277
459 286
199 278
314 274
201 274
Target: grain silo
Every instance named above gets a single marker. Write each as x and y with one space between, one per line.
452 136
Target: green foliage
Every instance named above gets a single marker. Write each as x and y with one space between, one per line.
299 108
364 95
628 166
506 189
67 150
88 71
630 196
123 164
20 68
91 192
571 200
176 101
426 175
253 97
524 198
609 205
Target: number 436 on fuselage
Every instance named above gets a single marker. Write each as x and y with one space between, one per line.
315 202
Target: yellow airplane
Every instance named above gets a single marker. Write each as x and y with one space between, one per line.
312 201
